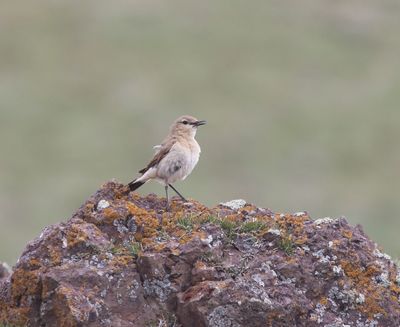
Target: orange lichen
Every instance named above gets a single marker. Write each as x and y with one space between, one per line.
293 225
200 265
158 247
110 214
25 282
77 235
175 252
301 240
122 260
395 288
147 220
34 263
323 300
55 255
347 233
362 280
14 316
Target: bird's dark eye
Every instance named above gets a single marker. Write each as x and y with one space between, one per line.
185 122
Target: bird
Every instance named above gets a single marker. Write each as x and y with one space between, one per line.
174 158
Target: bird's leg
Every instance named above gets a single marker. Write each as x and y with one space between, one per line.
176 191
166 195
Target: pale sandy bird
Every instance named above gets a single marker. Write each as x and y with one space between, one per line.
175 158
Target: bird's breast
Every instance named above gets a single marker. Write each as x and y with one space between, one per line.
191 157
194 154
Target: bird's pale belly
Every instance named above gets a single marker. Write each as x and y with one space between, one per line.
178 167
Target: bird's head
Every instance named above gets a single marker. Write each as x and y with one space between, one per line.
186 125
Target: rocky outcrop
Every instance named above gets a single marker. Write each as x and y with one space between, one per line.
121 260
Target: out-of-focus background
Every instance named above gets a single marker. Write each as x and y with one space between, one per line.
301 98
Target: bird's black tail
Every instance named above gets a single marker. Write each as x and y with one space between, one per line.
135 185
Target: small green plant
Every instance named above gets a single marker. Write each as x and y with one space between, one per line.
206 256
186 223
210 219
286 244
135 248
163 235
252 227
241 268
118 250
166 320
229 228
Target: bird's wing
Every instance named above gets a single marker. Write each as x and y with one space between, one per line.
164 149
157 147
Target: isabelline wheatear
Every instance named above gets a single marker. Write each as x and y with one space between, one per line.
175 158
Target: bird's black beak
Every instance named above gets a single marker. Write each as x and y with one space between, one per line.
199 123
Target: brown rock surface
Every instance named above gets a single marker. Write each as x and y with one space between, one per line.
121 260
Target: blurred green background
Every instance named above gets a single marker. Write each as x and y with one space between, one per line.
301 98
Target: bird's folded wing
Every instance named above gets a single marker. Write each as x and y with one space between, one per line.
160 154
157 147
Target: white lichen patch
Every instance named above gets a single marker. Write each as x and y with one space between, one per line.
132 290
221 316
258 280
274 231
102 204
257 288
159 288
326 220
367 323
322 258
300 214
6 267
346 296
337 270
383 279
360 299
207 240
381 255
121 228
64 243
288 281
234 204
319 313
266 268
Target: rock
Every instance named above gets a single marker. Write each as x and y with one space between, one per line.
5 271
121 260
234 204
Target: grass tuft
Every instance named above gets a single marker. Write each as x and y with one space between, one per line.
252 227
135 249
187 223
229 228
286 244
